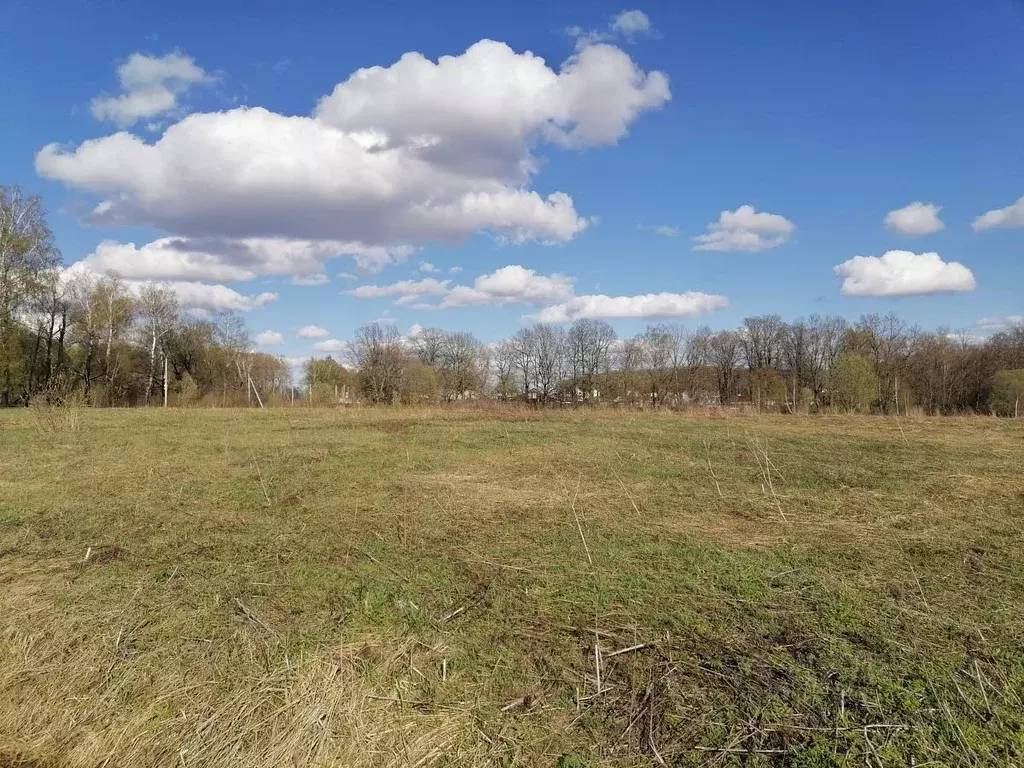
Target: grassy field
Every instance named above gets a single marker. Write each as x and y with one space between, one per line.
455 588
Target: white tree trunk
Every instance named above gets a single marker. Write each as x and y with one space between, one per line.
152 365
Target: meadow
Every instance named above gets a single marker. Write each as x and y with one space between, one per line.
459 587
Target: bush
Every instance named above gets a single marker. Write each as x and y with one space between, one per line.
1008 393
854 383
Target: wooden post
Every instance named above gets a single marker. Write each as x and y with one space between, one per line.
165 380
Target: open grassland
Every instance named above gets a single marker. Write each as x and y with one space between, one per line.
456 588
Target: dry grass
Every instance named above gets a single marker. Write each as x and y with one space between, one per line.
452 586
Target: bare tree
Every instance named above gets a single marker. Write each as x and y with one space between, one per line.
762 341
428 346
522 355
231 334
663 348
505 370
632 359
548 345
378 354
461 364
726 350
159 310
589 345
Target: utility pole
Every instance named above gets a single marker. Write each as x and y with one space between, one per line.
255 392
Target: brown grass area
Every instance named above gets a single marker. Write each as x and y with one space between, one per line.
427 587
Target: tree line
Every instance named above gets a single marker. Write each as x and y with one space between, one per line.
101 341
878 363
98 340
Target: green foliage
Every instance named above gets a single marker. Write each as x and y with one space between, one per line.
854 383
188 391
421 384
1008 393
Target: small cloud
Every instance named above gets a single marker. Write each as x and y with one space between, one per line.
313 332
269 338
651 305
915 219
347 276
426 266
454 270
996 324
665 230
627 24
150 86
282 65
330 345
1010 217
314 279
745 229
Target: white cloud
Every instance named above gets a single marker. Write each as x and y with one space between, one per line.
995 324
150 86
202 297
745 230
651 305
632 23
454 270
318 278
216 258
915 219
515 284
426 266
208 297
313 332
1010 217
508 285
902 273
406 291
394 157
269 338
665 230
626 24
330 345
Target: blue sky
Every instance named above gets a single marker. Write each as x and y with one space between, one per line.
825 116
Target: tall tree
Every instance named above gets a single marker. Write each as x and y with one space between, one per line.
27 254
380 358
159 312
726 353
461 363
589 345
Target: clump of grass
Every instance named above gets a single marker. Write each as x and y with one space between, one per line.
58 412
519 587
